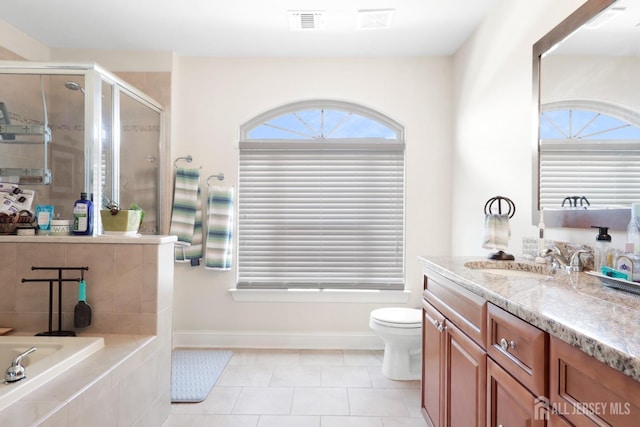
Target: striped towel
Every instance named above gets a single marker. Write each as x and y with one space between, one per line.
496 232
186 216
218 247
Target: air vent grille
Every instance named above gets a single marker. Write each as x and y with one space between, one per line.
306 20
375 19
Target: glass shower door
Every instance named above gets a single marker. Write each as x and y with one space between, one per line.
139 174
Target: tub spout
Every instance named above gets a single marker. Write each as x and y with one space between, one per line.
16 371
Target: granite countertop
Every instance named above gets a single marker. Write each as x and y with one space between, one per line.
574 307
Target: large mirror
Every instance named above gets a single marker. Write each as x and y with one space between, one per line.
586 159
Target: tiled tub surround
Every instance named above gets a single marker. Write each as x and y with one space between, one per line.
130 290
575 307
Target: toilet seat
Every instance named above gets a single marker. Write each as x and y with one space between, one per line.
398 317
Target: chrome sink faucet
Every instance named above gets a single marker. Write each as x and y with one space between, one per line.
572 264
16 371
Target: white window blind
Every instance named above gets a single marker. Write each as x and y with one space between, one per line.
589 149
321 214
606 172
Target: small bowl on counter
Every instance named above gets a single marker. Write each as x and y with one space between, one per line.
60 227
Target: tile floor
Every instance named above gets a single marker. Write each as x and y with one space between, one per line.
304 388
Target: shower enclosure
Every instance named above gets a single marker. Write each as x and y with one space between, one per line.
72 128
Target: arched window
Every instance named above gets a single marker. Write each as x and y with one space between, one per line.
591 149
321 198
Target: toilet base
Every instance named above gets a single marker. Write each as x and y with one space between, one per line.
400 364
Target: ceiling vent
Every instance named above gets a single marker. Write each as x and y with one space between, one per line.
307 20
375 19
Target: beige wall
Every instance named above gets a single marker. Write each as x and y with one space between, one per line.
212 97
493 113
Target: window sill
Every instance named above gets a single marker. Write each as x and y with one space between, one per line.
320 295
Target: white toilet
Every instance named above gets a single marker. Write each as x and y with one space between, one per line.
401 331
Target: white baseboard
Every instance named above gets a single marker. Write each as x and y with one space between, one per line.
278 340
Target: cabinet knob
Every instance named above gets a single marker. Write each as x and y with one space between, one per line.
506 345
438 325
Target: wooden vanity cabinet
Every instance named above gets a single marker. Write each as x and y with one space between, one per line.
586 392
433 344
517 371
454 359
509 402
484 366
520 348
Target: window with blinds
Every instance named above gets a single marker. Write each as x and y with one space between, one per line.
321 200
589 152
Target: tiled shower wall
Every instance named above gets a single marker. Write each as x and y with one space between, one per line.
127 287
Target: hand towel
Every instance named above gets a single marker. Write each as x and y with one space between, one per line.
186 216
218 246
497 232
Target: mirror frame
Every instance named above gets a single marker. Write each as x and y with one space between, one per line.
614 218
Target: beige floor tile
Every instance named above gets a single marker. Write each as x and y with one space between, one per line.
264 401
226 421
322 357
220 401
289 421
278 357
363 357
180 420
345 376
352 422
404 422
246 376
244 357
377 402
296 376
304 388
320 401
412 400
378 380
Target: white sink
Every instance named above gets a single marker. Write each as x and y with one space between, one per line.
514 273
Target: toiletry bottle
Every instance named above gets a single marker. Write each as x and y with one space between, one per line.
604 252
633 229
83 216
629 263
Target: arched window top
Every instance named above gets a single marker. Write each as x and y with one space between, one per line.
322 120
588 120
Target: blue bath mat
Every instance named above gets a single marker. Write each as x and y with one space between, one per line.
195 372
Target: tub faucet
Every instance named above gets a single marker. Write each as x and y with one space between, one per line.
16 371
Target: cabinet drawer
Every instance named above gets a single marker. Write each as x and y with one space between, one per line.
464 308
587 392
520 348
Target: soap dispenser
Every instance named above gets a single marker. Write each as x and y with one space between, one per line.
604 252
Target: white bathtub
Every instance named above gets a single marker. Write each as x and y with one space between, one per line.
53 356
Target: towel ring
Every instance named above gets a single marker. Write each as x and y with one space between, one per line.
511 207
220 177
188 159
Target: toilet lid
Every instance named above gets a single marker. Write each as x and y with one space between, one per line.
398 316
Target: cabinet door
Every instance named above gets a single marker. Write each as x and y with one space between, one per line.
587 392
509 402
432 365
466 380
